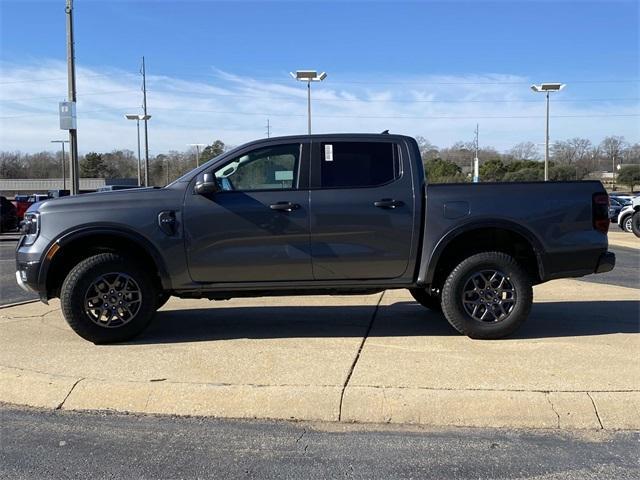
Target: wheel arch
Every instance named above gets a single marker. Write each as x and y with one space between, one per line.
496 235
73 246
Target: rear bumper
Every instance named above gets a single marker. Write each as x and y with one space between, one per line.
606 262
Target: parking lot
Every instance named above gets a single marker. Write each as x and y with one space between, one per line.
374 359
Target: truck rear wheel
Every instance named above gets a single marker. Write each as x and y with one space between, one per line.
107 298
424 298
487 296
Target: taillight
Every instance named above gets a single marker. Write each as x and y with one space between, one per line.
601 212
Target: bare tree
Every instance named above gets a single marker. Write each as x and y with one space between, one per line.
612 149
428 151
525 151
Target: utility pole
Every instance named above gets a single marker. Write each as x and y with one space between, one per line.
268 129
71 79
146 119
476 163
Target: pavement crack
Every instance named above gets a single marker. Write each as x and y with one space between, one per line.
595 409
68 393
357 357
548 397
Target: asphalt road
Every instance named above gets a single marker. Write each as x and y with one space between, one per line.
56 444
10 292
625 273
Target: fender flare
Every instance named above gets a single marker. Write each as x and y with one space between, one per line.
108 229
427 269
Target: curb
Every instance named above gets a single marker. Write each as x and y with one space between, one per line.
17 304
409 406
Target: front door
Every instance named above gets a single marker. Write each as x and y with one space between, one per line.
256 228
362 210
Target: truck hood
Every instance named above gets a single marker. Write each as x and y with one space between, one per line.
117 199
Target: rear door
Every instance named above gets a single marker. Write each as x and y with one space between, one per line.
362 209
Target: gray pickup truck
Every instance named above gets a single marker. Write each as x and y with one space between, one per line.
304 215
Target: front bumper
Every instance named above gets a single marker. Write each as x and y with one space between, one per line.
606 262
27 276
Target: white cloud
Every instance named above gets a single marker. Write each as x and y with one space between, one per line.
442 108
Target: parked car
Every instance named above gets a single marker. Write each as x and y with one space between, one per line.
625 218
615 205
635 224
623 197
23 202
313 214
109 188
8 216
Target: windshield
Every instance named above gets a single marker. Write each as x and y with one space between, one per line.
189 175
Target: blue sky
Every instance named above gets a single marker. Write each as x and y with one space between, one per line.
219 69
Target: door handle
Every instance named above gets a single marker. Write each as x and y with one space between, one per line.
388 203
284 206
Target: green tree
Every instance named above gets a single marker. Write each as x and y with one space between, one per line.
93 165
492 170
443 171
564 172
629 175
527 174
211 151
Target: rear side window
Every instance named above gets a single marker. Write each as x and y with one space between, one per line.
358 164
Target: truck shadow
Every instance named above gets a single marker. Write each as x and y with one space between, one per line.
547 320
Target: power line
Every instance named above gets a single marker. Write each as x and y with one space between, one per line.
435 117
334 81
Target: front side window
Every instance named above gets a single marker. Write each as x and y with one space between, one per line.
271 168
358 164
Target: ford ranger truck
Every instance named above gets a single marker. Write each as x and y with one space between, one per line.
306 215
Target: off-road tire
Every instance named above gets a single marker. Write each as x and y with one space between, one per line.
635 223
424 298
452 296
81 278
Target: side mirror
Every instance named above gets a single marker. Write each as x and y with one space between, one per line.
207 184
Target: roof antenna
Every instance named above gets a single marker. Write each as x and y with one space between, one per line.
386 132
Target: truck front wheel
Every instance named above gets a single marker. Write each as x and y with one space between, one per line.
107 298
487 296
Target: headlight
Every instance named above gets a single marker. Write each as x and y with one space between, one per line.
30 227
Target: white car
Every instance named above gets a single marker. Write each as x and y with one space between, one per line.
629 217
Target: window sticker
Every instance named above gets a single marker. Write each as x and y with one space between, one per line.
284 175
328 153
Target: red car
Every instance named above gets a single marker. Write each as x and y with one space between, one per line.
23 202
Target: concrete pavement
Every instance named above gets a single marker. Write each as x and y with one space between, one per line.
623 239
377 358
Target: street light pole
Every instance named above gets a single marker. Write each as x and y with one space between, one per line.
64 173
546 145
71 74
309 107
139 159
308 76
137 118
547 88
197 145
